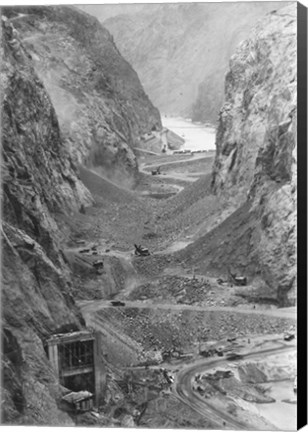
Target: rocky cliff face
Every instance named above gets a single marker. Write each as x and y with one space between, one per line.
39 183
99 101
255 165
181 53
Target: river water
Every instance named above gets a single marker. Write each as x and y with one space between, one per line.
197 136
281 413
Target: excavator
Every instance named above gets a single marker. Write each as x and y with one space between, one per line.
141 251
238 280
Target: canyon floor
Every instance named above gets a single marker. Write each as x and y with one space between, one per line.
223 344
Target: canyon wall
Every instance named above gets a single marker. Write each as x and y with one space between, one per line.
100 104
68 99
181 51
39 183
255 166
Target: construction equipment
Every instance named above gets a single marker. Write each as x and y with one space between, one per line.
221 281
117 303
220 352
234 356
99 266
238 280
156 172
168 376
288 336
141 251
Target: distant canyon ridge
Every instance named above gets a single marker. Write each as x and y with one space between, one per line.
181 52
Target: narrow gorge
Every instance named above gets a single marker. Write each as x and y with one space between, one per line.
145 271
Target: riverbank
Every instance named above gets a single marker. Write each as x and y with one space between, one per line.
197 136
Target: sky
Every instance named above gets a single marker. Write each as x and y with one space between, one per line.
74 2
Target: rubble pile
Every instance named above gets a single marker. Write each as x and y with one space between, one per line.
175 289
159 331
226 384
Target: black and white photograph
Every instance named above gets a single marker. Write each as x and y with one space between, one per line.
149 172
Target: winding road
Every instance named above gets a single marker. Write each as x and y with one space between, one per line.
182 388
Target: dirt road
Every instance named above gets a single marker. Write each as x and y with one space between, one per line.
183 389
93 306
189 177
196 157
136 328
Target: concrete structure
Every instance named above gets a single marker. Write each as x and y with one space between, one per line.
77 360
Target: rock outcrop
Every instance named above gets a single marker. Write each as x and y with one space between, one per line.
39 184
99 101
181 53
255 164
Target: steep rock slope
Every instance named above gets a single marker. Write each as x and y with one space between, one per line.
176 47
100 103
39 183
105 11
255 165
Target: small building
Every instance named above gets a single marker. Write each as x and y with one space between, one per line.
77 402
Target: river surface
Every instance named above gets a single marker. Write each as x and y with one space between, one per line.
197 136
281 413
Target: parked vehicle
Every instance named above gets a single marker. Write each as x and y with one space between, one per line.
234 356
117 303
288 336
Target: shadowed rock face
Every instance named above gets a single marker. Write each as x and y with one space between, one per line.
99 101
256 146
39 182
68 98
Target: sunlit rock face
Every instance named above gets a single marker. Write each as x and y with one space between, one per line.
39 184
100 104
256 146
181 50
